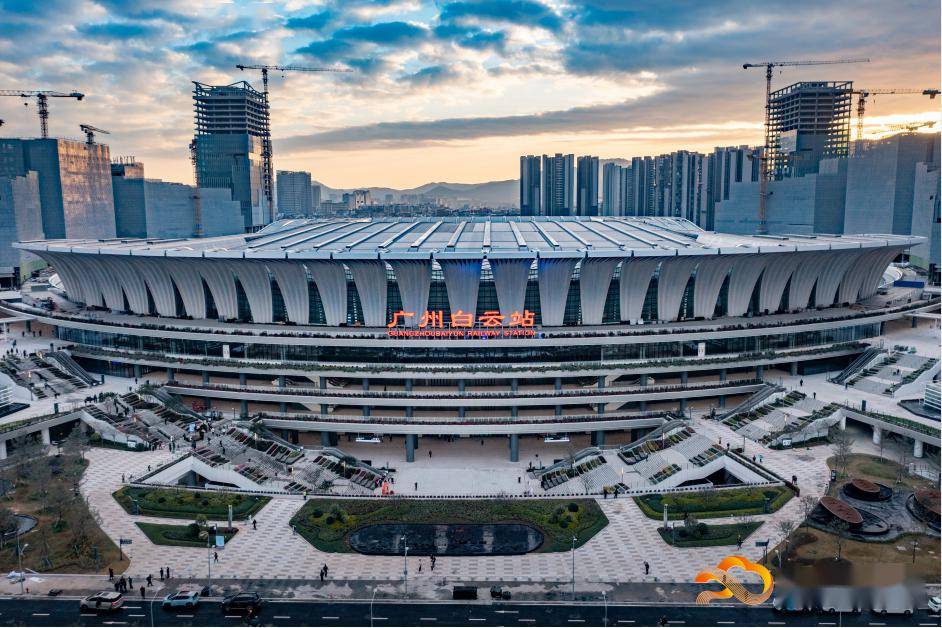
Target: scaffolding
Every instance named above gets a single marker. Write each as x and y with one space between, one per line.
808 122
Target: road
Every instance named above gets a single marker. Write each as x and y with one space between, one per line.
65 612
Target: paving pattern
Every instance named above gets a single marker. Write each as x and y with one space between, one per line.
273 552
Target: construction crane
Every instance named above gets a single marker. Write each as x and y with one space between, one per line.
863 94
910 127
42 103
90 131
266 139
767 149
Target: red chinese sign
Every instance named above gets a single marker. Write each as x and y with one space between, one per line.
490 324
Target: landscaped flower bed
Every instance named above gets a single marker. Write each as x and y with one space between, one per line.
186 504
714 503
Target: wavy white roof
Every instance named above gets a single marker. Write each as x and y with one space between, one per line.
458 237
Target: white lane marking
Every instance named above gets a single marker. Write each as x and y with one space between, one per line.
726 622
232 616
187 616
134 607
576 621
626 621
676 621
130 615
523 619
326 617
282 617
40 614
380 618
476 619
428 619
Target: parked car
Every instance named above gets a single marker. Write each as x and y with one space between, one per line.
796 600
103 601
241 602
185 598
839 599
934 604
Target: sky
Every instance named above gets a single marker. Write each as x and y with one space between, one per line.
453 90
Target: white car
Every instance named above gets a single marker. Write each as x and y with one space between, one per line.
935 604
184 598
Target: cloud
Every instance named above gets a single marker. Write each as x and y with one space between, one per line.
520 12
315 21
119 30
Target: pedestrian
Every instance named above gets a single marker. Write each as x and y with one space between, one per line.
130 582
416 486
117 587
161 574
254 524
429 453
739 542
168 573
143 592
150 580
647 568
322 574
215 557
801 382
325 569
110 574
122 478
420 566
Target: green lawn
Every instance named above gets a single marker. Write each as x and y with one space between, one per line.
186 504
708 535
184 536
714 503
325 523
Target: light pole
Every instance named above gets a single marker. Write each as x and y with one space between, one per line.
573 568
153 599
371 606
605 602
19 557
405 565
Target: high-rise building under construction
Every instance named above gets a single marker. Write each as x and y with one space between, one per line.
231 124
808 122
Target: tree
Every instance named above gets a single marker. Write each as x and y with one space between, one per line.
839 529
42 481
76 443
8 523
27 454
807 504
785 528
841 443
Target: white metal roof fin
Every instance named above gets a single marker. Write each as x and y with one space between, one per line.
425 235
453 240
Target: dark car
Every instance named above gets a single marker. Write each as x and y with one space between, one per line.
241 602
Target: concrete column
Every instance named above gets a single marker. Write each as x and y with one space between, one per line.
913 323
514 448
243 380
683 377
461 386
601 381
513 385
600 408
877 435
722 375
643 406
366 411
460 412
558 410
366 383
138 373
244 410
281 381
722 401
47 440
558 384
513 412
282 407
598 438
643 381
760 372
325 439
410 447
794 368
409 413
408 385
322 381
3 449
169 374
843 423
324 409
29 326
205 376
683 405
917 445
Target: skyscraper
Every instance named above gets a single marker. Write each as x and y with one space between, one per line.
231 121
616 190
808 122
294 193
557 185
587 186
530 186
315 197
20 219
74 184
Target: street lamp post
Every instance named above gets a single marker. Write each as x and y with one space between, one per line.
405 565
371 606
19 557
574 568
605 602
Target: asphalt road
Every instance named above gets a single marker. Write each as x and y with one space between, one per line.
65 612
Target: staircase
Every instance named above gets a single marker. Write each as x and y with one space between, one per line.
68 365
862 362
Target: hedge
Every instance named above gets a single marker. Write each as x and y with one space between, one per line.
186 504
713 535
714 503
182 536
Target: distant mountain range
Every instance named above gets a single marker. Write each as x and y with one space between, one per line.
494 193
